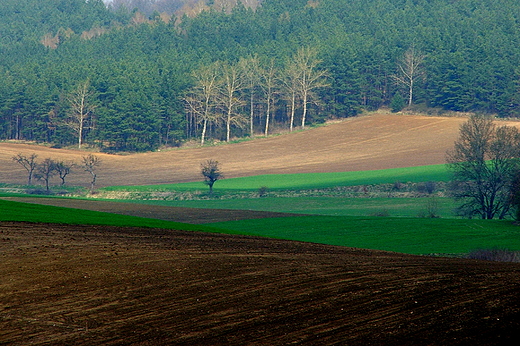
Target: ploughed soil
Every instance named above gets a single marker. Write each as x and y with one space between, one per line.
377 141
97 285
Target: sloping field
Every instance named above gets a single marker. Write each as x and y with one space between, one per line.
94 285
372 142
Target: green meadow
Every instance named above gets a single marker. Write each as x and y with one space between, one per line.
306 181
27 212
381 223
334 206
405 235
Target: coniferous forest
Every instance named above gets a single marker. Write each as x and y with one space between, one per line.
134 76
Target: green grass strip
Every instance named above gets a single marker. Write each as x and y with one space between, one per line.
337 206
26 212
307 180
404 235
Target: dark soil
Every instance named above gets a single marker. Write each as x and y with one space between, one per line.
94 285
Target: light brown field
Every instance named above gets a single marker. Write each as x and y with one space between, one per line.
371 142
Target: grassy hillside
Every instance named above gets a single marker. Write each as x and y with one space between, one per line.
405 235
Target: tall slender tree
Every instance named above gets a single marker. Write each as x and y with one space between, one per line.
232 83
202 98
250 70
269 85
409 70
310 76
81 107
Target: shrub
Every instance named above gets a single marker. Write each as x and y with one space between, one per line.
262 191
398 103
427 187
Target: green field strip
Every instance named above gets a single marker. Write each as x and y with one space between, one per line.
336 206
404 235
307 180
27 212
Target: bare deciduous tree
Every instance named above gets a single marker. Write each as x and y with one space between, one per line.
45 171
81 108
210 170
27 162
409 69
232 83
250 70
268 85
202 98
291 88
90 164
309 77
484 162
63 169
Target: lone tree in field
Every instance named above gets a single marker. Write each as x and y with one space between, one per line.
484 163
27 162
90 164
211 173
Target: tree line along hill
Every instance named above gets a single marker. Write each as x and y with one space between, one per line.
77 72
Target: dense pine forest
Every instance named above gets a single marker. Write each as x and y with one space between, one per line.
137 75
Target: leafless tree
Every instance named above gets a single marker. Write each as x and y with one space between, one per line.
81 108
250 70
232 83
90 164
409 70
27 162
291 88
269 85
210 170
310 76
63 169
45 171
202 97
484 162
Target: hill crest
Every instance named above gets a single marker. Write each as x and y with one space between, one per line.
371 142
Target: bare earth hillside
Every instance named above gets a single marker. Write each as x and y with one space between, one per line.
93 285
372 142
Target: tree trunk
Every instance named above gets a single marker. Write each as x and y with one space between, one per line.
293 105
267 116
304 109
204 126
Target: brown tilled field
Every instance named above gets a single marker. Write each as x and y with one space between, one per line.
90 285
377 141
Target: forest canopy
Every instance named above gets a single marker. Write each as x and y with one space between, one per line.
143 68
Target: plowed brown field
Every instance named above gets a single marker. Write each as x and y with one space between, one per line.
377 141
90 285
